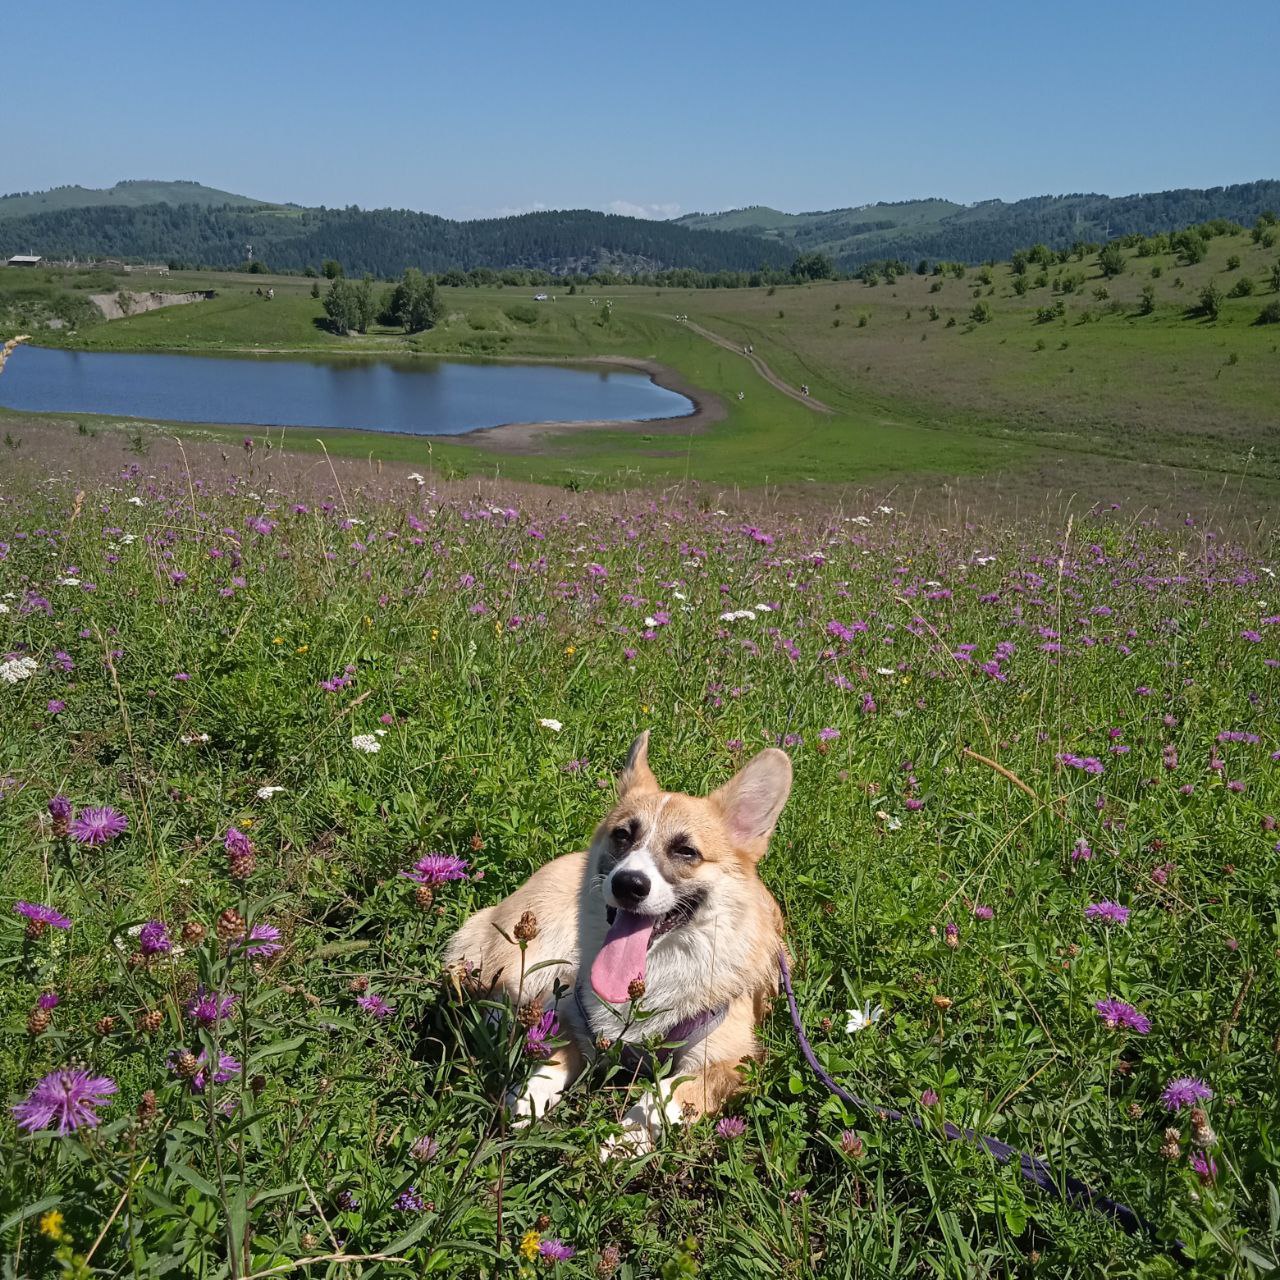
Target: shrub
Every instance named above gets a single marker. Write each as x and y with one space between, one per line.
1210 301
1270 314
1147 302
1233 262
1111 260
1242 288
981 313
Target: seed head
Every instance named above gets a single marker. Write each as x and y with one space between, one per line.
186 1064
942 1002
541 1222
423 897
1201 1132
530 1014
610 1259
527 927
147 1106
1134 1111
358 985
635 989
151 1022
308 1240
477 843
230 925
851 1145
1170 1148
193 933
39 1022
105 1025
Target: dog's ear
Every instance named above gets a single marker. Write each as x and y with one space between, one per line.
636 774
751 801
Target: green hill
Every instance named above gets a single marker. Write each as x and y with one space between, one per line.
124 195
992 229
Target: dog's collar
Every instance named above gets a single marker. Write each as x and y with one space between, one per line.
686 1034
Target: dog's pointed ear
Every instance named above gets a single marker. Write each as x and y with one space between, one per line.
636 774
751 801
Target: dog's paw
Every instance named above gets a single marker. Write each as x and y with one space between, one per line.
543 1091
642 1125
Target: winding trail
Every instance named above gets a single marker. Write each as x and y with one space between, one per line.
761 368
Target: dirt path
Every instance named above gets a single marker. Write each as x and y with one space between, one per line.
761 368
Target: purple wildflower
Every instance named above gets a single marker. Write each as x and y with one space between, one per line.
731 1128
347 1201
1184 1091
208 1008
228 1068
1107 912
424 1149
535 1040
554 1250
48 1000
376 1006
95 826
928 1098
409 1201
68 1097
983 913
828 735
59 808
153 939
261 940
1117 1015
55 706
41 915
437 868
1203 1164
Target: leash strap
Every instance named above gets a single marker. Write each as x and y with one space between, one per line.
1033 1169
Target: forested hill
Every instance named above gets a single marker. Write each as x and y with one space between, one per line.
124 195
384 241
993 229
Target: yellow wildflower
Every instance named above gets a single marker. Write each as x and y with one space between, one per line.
644 710
246 822
278 640
302 648
570 650
368 621
529 1243
51 1225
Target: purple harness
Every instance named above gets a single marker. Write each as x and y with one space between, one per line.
1064 1186
686 1034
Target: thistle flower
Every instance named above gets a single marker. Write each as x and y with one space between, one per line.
554 1250
261 940
153 939
437 869
60 811
40 917
1184 1091
1108 912
536 1038
1203 1165
68 1097
1117 1015
195 1070
730 1128
240 854
208 1008
97 826
424 1149
376 1006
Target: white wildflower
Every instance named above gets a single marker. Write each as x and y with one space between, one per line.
68 582
193 739
134 501
417 478
265 793
862 1017
885 671
18 669
4 608
554 725
884 511
864 521
985 559
738 615
764 608
890 822
367 743
651 622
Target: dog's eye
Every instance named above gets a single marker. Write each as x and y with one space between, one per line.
685 853
621 835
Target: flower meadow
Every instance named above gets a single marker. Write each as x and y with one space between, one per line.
268 740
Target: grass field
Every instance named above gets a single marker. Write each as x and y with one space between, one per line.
997 730
1169 404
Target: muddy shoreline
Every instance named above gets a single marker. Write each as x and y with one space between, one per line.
525 437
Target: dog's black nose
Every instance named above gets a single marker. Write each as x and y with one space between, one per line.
630 886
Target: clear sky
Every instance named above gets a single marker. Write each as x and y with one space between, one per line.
471 109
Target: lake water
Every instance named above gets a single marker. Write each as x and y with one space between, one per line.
419 396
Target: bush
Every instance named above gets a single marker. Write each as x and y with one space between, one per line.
1147 302
1233 262
1210 302
1111 260
1270 314
1242 287
981 313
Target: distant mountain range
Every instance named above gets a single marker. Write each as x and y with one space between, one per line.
201 226
941 229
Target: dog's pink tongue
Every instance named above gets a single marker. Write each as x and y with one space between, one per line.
621 958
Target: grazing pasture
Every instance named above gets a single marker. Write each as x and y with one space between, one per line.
273 728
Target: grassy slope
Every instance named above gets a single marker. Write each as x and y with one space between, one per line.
913 395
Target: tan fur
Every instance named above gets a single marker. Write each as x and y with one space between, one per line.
726 954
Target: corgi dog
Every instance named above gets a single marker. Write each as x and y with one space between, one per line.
666 912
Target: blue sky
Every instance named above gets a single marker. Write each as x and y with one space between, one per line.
473 109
